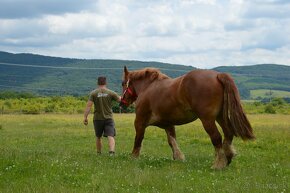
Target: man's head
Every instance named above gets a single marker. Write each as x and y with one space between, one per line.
102 80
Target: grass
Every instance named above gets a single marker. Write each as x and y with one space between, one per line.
266 93
56 153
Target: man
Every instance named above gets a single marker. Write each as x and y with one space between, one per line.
104 125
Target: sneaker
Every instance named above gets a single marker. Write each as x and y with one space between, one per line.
111 153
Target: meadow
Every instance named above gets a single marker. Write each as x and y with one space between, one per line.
56 153
264 93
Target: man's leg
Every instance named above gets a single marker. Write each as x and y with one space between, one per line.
111 141
99 144
99 128
110 132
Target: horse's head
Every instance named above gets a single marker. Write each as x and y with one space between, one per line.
129 93
138 80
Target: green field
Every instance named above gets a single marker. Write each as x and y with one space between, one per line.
266 93
56 153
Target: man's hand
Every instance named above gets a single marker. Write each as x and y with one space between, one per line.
87 111
85 121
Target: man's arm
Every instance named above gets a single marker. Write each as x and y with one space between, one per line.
87 111
116 97
119 99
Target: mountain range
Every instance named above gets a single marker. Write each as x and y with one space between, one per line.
45 75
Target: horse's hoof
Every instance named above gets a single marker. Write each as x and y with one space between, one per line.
179 156
230 157
134 155
219 166
229 161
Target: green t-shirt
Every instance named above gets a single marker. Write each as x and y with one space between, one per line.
102 99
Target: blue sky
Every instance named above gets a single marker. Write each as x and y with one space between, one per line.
200 33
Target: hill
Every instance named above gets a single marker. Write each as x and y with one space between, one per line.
47 75
63 76
262 76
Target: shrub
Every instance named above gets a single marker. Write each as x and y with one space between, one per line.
32 109
278 101
7 104
270 109
50 108
256 103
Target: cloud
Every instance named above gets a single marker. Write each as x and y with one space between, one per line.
202 33
267 9
268 40
240 25
57 30
22 28
84 25
12 9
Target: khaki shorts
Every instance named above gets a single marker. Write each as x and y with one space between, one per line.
105 128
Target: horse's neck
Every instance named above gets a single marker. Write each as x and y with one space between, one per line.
141 85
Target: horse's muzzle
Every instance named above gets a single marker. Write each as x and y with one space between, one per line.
123 104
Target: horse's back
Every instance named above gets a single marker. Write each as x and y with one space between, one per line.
203 91
183 99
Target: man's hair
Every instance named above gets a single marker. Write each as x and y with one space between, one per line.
102 80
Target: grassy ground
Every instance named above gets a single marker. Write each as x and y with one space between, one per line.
56 153
264 93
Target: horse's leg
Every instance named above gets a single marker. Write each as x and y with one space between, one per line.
140 130
171 137
216 139
227 143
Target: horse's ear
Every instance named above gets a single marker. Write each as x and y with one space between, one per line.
126 72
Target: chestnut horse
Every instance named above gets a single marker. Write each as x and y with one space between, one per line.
205 94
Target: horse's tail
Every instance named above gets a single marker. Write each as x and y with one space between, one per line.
233 114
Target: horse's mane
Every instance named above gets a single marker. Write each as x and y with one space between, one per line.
150 73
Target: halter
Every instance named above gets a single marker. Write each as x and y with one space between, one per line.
130 92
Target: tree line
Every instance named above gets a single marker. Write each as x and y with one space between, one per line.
27 103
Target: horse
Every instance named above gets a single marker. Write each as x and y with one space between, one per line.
199 94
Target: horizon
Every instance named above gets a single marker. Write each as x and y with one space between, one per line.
198 33
27 53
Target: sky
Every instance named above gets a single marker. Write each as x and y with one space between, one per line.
199 33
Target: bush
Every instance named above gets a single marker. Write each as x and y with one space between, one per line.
287 99
270 109
8 104
256 103
278 101
14 95
31 110
50 108
265 100
116 108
